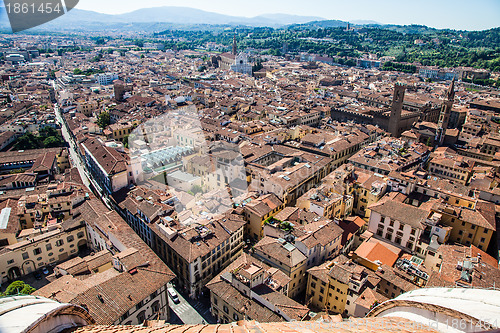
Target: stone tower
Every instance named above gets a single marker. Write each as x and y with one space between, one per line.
235 47
396 109
444 117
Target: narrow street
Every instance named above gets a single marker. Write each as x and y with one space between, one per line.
191 312
75 158
186 311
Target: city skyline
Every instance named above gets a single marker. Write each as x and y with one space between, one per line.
211 167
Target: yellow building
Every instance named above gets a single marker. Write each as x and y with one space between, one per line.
335 286
451 167
198 165
258 211
87 107
55 203
369 191
120 130
347 189
63 160
327 202
286 257
474 225
41 248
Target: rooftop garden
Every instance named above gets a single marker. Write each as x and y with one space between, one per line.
283 225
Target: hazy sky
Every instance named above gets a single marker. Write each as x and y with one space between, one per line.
456 14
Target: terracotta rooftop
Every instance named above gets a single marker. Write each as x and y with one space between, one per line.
404 213
325 325
374 250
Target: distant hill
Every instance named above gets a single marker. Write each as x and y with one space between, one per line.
409 29
285 19
185 18
319 24
164 17
365 22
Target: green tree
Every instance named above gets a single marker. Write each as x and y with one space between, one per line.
19 287
258 66
27 141
97 58
100 41
103 120
47 131
51 142
196 189
127 139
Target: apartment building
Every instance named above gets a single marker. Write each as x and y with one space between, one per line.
296 216
198 165
109 168
140 209
452 167
490 144
372 253
36 207
319 242
123 283
284 171
474 225
87 107
463 266
196 253
42 162
339 144
394 281
128 290
257 211
401 224
326 202
342 286
54 201
390 154
121 130
37 248
105 79
248 289
285 256
367 188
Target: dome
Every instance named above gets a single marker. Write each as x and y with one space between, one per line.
33 314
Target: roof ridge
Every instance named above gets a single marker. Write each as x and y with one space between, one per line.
292 306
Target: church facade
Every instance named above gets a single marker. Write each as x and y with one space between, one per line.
235 62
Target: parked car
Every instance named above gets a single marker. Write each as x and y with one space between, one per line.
45 271
173 295
37 275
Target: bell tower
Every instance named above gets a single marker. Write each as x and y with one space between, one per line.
396 109
444 116
235 47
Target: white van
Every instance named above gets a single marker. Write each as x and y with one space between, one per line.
173 295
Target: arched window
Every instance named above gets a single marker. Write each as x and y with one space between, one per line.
141 316
155 307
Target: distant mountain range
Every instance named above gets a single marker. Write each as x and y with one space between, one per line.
173 16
